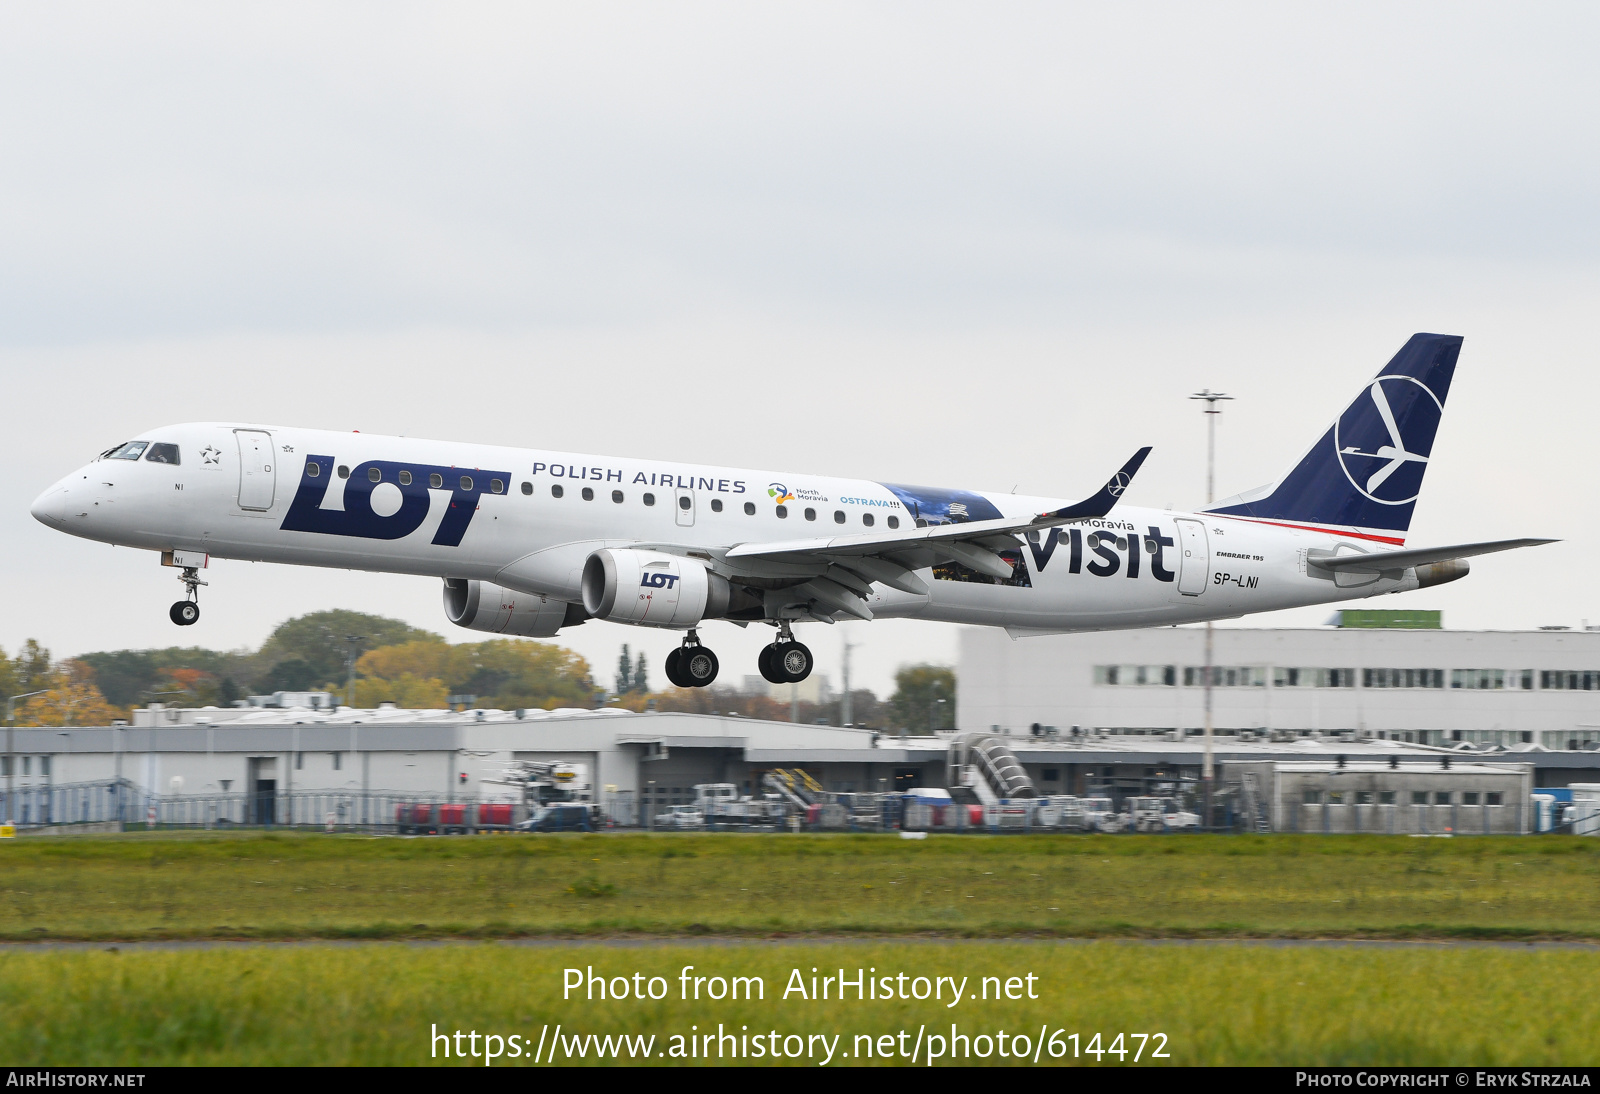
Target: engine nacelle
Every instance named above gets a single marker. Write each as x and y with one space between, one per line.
482 606
651 589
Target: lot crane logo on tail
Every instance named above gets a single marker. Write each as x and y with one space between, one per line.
1389 481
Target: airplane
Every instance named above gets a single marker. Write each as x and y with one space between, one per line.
528 541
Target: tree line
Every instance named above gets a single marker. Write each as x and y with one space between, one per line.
366 660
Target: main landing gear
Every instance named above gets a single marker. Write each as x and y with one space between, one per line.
691 665
186 613
785 661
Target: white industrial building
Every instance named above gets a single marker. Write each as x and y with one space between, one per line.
1508 689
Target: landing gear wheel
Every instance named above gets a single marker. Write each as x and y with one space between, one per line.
794 661
769 672
674 669
698 666
185 613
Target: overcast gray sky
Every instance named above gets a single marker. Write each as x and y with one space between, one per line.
988 245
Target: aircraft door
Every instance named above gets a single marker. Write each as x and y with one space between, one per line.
257 479
1194 564
683 507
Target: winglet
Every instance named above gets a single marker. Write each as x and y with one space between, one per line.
1101 503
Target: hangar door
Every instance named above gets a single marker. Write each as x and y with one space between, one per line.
257 480
1194 563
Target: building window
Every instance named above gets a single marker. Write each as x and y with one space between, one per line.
1313 797
44 766
338 760
1402 678
299 761
1386 797
1441 797
1562 680
5 767
1494 797
1136 675
1051 774
1419 797
1226 676
27 765
1336 797
1363 797
1290 677
1469 797
1478 679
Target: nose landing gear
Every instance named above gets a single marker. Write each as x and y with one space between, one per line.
186 613
691 665
785 661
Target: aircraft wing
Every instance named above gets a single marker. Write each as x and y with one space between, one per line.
846 566
1379 561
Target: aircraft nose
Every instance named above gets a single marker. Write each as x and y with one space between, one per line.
50 507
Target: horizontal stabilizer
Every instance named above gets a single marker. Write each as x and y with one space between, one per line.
1380 561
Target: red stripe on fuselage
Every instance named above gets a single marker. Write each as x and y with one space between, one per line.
1314 528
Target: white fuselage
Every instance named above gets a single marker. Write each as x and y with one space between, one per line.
248 492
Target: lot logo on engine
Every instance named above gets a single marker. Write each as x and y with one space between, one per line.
658 580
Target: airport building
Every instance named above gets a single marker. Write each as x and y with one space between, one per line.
1412 684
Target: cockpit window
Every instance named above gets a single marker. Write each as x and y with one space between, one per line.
162 453
130 450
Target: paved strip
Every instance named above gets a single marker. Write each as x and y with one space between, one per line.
768 943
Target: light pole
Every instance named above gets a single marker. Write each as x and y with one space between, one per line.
11 749
1211 399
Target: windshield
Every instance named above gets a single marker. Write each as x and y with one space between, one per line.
162 453
128 450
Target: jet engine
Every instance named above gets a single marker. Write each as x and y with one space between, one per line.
482 606
651 589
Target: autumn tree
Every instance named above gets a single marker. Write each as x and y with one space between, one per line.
70 698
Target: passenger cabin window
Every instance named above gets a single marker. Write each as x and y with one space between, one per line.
649 499
496 486
313 469
684 501
374 474
716 505
466 483
344 472
811 514
435 480
616 496
866 518
838 516
162 453
130 450
749 508
405 478
527 488
556 491
894 522
588 493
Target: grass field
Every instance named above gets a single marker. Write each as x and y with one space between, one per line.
377 1003
316 886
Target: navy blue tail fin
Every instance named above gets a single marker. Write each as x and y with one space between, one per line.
1366 471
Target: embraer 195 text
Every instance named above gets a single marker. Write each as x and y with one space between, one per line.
529 541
